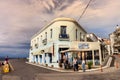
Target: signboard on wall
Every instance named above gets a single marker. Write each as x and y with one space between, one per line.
83 46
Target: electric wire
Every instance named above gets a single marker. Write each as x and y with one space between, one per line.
84 10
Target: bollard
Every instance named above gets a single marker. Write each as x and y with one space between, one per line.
101 68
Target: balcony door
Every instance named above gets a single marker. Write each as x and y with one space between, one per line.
63 30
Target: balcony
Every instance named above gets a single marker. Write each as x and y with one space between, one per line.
117 39
36 45
64 37
116 44
117 32
44 41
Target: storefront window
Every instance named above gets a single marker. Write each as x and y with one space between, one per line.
96 54
89 56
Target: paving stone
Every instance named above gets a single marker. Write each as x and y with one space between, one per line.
6 77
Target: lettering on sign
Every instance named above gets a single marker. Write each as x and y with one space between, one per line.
83 46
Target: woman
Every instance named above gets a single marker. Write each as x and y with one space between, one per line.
75 64
83 65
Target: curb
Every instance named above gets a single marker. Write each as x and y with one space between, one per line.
61 70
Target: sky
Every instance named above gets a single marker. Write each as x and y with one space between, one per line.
21 19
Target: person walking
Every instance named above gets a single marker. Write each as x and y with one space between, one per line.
83 65
75 64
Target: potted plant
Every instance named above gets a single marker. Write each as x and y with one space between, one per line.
90 63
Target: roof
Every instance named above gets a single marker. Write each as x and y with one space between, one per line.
58 19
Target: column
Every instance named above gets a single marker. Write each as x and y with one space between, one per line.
83 55
93 57
35 58
30 57
39 59
100 56
43 58
47 59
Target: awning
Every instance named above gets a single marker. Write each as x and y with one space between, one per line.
75 50
41 51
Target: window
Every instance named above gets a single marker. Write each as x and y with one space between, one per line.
41 37
83 37
46 35
51 33
37 39
80 35
63 30
76 34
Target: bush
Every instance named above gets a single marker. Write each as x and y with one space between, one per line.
90 64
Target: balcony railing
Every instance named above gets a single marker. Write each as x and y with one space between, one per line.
44 41
64 37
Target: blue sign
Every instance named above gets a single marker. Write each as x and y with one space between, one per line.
83 46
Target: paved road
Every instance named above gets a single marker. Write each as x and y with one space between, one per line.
26 71
30 72
80 76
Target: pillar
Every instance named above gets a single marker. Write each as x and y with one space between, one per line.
47 59
83 54
100 56
93 57
43 58
38 58
30 57
35 58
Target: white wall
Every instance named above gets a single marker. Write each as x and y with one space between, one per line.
56 26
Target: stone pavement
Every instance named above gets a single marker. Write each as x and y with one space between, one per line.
6 77
25 71
104 69
81 76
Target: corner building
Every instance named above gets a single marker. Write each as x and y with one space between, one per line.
63 38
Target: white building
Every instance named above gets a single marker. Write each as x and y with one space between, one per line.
115 40
63 38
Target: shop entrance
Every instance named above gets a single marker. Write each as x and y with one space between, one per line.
88 56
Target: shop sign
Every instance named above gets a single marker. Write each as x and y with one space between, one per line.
83 46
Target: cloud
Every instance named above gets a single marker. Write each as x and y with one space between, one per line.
21 19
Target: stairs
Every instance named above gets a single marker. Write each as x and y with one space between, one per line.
109 61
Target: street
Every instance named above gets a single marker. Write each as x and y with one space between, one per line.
29 72
26 71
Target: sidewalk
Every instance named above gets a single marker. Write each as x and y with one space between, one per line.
104 69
